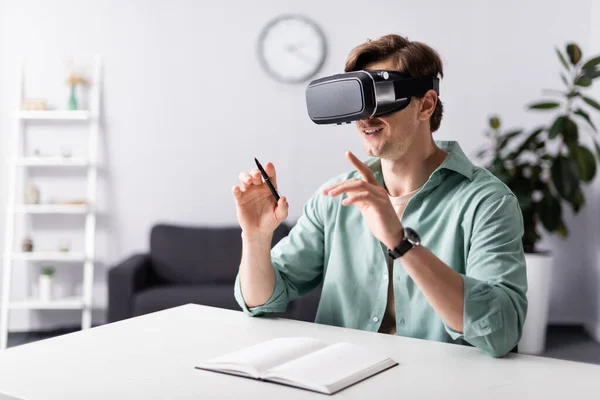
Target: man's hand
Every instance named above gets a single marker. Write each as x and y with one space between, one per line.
373 202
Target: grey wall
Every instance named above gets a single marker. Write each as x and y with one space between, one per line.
187 106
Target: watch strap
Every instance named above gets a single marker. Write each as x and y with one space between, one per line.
401 249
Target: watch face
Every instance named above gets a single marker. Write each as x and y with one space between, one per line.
412 236
291 48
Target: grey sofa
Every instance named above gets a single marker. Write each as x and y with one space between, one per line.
187 265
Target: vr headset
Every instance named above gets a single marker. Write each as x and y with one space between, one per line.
352 96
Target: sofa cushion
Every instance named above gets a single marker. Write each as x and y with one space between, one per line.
199 255
163 297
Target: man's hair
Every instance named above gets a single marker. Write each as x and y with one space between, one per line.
416 58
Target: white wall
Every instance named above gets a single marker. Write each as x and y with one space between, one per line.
187 105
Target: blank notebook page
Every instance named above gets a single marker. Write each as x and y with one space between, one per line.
267 354
333 367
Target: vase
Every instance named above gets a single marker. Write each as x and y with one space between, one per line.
45 287
72 99
32 194
539 281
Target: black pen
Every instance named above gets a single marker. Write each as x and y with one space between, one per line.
267 180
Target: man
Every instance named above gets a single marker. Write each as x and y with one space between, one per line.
465 283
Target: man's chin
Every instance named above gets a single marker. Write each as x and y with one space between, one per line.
373 152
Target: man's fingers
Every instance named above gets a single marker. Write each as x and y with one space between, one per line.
362 168
328 190
281 212
348 186
256 177
236 192
271 173
245 180
354 198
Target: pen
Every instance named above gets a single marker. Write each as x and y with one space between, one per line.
267 180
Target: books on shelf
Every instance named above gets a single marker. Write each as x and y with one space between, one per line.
302 362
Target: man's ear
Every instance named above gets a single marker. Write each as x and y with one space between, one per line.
428 103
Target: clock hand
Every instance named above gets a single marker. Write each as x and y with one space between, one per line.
294 50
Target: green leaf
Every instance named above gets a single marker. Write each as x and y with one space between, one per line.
481 153
525 145
562 59
583 80
562 229
591 63
494 122
585 162
585 116
577 201
564 79
557 127
597 149
571 132
592 73
574 53
591 102
544 105
572 94
507 136
550 211
565 177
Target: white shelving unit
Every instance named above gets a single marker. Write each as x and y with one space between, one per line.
51 162
18 162
56 115
67 303
53 209
49 256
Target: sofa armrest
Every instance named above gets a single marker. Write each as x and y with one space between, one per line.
124 280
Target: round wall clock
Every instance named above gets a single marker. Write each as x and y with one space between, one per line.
292 48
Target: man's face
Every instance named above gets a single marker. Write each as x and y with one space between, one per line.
394 133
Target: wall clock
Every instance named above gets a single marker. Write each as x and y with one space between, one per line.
292 48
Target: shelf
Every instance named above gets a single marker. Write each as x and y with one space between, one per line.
66 303
50 256
52 162
52 208
55 115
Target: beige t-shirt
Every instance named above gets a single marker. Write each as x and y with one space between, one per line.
388 323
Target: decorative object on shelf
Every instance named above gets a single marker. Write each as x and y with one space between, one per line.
73 81
27 245
33 105
45 283
65 151
72 202
547 168
32 194
64 245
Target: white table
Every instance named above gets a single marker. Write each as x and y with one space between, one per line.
153 357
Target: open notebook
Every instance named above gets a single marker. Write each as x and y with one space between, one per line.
303 362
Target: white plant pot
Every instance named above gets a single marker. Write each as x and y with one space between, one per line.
539 279
45 287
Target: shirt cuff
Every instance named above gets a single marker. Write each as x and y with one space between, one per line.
482 313
453 334
276 302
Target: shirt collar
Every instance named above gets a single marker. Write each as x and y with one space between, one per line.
456 161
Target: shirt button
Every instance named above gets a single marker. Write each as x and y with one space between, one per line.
375 319
402 321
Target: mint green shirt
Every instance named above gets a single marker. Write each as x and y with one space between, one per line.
464 215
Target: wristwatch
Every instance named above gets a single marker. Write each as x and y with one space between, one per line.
411 239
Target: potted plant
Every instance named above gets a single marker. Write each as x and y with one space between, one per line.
546 168
45 283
